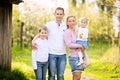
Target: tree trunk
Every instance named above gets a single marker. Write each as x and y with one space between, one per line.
83 1
5 36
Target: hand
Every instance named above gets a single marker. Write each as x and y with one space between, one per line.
34 46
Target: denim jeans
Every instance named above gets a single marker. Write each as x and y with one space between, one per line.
41 70
57 65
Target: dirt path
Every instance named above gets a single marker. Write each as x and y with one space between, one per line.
83 77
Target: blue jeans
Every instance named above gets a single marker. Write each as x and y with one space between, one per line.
57 65
41 70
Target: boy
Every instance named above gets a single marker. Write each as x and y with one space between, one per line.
40 54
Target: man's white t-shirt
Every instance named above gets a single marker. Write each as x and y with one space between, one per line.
55 38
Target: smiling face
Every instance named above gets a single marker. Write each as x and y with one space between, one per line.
84 22
59 14
43 33
71 21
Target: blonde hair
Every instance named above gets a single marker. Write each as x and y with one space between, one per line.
84 19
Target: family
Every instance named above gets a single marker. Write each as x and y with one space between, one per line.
49 47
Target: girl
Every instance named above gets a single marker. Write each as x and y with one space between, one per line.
82 39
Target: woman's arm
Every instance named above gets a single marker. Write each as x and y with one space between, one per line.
68 41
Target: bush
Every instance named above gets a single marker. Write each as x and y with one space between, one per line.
15 74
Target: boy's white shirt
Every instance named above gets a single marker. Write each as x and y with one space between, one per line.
41 53
34 63
83 31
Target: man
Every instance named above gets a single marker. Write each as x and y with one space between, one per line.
57 51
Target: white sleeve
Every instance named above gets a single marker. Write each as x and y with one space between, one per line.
47 24
34 62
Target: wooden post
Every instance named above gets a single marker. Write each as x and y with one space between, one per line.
5 36
6 32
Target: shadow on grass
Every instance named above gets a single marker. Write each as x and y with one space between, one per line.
15 74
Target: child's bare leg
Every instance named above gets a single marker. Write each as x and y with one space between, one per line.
87 60
80 54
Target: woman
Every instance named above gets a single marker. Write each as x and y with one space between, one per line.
70 37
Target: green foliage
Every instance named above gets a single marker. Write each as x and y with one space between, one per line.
104 70
73 3
21 55
21 59
111 55
104 62
32 17
101 29
15 25
15 74
106 4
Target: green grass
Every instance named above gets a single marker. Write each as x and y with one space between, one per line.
104 64
15 74
21 59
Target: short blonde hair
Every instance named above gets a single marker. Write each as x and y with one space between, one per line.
84 19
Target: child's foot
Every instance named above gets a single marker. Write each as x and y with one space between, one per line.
80 63
87 64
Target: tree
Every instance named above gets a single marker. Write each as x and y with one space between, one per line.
33 17
75 2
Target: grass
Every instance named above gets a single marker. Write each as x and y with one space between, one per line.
104 64
21 59
15 74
